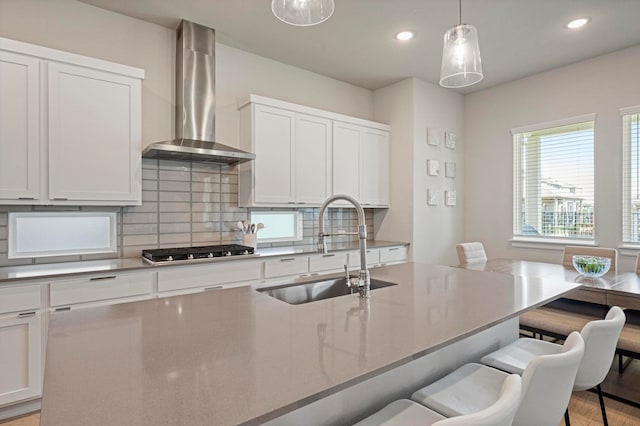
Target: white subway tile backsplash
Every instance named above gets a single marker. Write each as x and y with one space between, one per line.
208 217
170 185
4 232
140 229
205 187
206 237
148 163
180 175
134 251
149 185
205 227
149 196
176 239
206 167
174 217
136 240
205 197
4 217
174 228
140 217
149 174
149 207
180 197
174 207
174 165
205 207
205 177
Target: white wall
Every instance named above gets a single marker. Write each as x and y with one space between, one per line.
87 30
601 85
410 107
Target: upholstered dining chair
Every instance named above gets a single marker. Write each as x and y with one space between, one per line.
600 339
547 382
471 252
407 413
570 251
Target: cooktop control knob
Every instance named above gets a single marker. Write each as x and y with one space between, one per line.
210 255
228 253
246 252
170 257
190 257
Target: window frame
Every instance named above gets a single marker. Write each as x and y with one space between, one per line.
542 241
298 232
626 177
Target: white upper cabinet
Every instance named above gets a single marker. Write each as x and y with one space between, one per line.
304 155
75 132
361 164
94 126
19 127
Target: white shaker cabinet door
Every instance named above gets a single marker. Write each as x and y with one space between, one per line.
346 160
20 357
94 135
312 159
19 127
374 163
274 144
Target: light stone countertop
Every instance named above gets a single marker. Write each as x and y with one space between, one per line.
237 355
13 274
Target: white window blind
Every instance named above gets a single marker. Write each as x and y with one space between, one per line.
553 181
631 175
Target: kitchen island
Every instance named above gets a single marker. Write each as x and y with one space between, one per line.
239 356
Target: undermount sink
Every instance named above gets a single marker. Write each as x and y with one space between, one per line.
297 294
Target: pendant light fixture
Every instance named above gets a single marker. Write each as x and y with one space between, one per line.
302 13
461 64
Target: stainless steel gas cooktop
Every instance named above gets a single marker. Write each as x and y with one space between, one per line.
189 254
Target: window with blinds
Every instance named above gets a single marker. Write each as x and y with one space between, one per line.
631 175
553 180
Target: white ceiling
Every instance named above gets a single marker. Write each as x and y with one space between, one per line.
517 37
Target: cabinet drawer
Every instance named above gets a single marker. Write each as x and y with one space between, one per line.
373 258
208 275
393 254
327 261
294 265
19 298
626 301
100 287
587 295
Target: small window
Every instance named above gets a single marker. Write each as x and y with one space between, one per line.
278 226
631 175
43 234
554 180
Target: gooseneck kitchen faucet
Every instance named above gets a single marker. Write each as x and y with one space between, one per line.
363 282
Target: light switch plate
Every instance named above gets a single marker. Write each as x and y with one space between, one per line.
450 169
435 136
433 167
450 140
433 197
450 197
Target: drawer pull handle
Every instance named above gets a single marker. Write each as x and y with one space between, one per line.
110 277
329 255
288 259
60 198
26 198
394 249
218 287
66 308
314 274
26 314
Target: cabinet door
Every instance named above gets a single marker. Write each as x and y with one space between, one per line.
94 135
346 159
20 357
19 127
274 133
312 159
374 163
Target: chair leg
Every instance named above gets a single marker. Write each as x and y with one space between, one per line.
604 411
567 422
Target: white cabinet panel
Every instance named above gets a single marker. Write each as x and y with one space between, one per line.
274 133
100 287
346 160
19 127
208 276
373 258
19 298
374 160
94 135
295 265
327 261
312 159
20 357
393 254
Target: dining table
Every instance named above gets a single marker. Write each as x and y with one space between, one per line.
613 288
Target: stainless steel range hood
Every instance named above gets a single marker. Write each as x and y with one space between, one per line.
196 103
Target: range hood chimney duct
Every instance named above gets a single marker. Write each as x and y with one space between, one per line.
196 103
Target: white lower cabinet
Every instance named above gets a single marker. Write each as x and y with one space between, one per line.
20 344
394 254
373 258
281 267
104 288
327 262
212 276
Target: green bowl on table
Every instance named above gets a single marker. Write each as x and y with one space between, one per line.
591 266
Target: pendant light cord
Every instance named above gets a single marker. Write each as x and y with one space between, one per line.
460 12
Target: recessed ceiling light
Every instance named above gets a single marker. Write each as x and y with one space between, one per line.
577 23
405 35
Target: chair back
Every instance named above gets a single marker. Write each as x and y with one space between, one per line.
547 383
638 264
471 252
501 413
570 251
600 341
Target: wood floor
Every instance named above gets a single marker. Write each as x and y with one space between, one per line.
584 409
